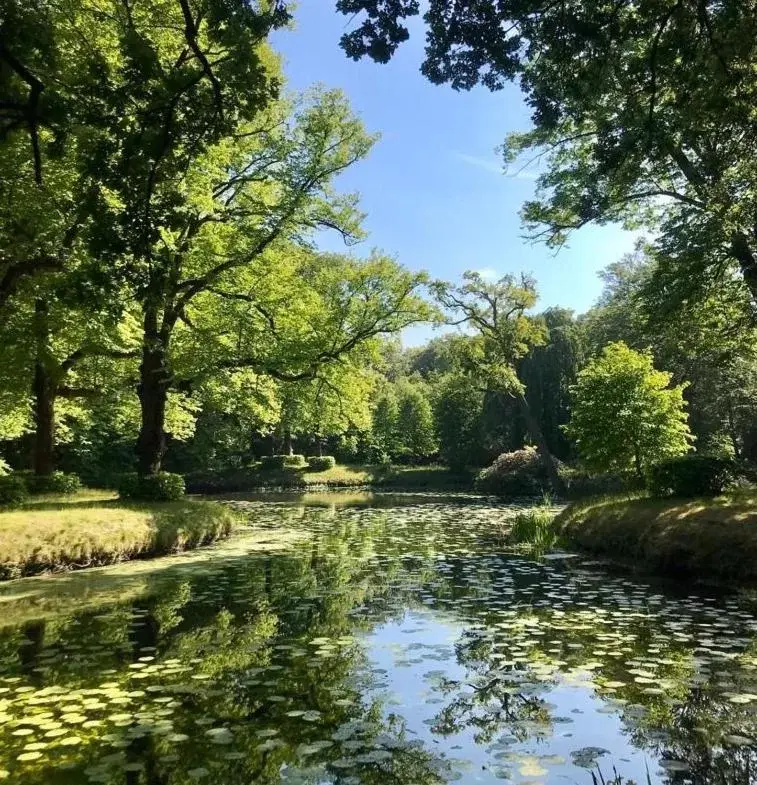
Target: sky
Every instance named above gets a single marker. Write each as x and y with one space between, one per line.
433 187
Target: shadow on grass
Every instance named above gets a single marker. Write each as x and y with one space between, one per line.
707 539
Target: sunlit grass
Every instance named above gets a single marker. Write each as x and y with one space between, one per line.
705 538
92 528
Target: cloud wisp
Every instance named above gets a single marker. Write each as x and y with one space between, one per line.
493 166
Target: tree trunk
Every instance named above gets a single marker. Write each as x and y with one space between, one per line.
288 445
44 390
541 445
747 259
44 420
153 395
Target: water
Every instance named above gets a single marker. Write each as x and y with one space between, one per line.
359 639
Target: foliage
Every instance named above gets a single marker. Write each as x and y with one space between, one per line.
580 484
5 468
57 482
384 428
415 437
715 352
160 487
13 490
321 463
519 473
622 130
278 462
548 371
692 475
458 406
505 332
625 415
534 527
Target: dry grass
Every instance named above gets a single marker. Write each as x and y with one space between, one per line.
89 529
703 538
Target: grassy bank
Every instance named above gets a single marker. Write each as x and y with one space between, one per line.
340 476
91 529
708 539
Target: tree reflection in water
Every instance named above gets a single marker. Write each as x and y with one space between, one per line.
262 667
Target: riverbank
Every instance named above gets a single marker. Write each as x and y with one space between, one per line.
706 539
406 478
93 528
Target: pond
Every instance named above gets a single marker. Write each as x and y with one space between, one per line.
348 638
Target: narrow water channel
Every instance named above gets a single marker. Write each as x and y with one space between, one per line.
371 639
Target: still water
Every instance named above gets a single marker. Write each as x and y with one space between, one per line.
355 639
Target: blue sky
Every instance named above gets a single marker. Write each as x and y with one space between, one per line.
433 186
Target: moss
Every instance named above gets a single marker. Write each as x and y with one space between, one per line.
50 537
708 539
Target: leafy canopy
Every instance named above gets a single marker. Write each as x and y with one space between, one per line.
642 111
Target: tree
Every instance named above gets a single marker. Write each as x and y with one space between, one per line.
498 313
642 111
716 350
234 282
384 427
415 421
625 415
56 356
548 371
129 93
458 404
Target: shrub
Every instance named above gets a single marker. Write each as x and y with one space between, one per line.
692 475
161 487
56 482
519 473
321 463
278 462
13 490
5 468
534 527
579 484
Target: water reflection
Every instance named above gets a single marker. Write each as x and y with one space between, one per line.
372 643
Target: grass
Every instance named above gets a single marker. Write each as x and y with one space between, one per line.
340 476
534 528
709 539
91 528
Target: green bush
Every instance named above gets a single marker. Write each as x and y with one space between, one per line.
13 490
579 484
534 527
519 473
56 482
321 463
161 487
692 475
278 462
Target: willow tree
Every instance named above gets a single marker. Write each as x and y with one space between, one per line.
642 111
498 313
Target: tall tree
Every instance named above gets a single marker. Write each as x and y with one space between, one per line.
498 312
128 93
642 111
239 250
